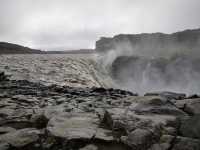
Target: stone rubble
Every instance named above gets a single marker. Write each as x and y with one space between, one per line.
39 117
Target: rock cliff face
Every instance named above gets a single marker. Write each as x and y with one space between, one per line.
139 74
155 44
154 62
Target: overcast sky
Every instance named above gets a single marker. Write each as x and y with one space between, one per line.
74 24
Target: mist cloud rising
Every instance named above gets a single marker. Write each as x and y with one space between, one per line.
154 62
72 24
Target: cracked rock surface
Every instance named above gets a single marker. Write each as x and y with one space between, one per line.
34 116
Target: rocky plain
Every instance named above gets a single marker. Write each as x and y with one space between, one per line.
34 116
62 102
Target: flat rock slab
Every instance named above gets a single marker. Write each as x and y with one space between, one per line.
74 126
21 137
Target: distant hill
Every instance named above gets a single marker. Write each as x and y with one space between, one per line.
9 48
81 51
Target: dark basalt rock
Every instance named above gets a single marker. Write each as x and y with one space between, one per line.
168 95
3 77
183 143
188 39
38 117
191 127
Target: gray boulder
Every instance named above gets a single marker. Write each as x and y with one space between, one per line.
191 127
73 126
139 139
155 105
21 138
190 106
84 126
164 143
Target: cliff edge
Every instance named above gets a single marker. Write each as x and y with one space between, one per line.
153 44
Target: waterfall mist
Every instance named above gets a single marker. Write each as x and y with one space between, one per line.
155 62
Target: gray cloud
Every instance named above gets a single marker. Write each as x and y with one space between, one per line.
71 24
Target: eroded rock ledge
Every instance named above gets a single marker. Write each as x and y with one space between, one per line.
152 44
38 117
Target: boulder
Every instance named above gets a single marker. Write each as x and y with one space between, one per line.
191 127
123 121
74 126
155 105
190 106
39 120
165 143
104 135
139 139
21 138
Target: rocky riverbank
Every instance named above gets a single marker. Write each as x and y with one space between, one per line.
34 116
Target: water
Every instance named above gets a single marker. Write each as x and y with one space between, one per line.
91 70
63 69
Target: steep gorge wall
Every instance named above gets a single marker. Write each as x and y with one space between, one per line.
154 62
155 44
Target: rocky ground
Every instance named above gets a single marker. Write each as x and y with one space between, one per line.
40 117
